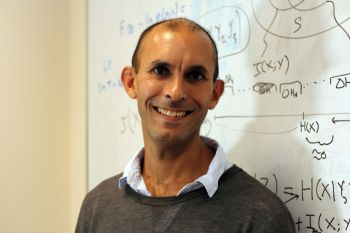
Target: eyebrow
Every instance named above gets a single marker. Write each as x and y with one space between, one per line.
159 63
198 68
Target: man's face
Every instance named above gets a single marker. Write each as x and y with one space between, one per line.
174 85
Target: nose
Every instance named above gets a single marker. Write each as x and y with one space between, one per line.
176 88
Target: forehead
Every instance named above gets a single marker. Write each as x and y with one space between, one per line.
183 41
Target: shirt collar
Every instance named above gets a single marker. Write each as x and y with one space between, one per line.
219 164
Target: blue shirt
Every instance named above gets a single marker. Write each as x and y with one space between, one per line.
210 181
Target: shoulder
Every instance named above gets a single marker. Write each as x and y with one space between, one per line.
104 191
97 199
238 184
255 203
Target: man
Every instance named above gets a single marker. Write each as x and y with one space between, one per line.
179 181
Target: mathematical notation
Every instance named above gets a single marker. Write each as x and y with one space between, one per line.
312 128
267 66
317 223
231 33
317 189
131 122
340 81
128 28
109 84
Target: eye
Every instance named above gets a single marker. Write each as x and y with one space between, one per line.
195 76
161 71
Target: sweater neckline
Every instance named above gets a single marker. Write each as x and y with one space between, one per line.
201 192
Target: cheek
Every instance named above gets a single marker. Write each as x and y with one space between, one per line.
206 97
202 101
146 90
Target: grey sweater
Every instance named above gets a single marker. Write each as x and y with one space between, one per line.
241 204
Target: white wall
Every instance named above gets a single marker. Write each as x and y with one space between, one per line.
42 118
78 103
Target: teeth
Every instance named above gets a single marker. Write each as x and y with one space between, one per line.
170 113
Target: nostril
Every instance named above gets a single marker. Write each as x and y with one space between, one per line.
177 94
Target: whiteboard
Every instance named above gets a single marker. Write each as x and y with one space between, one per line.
285 114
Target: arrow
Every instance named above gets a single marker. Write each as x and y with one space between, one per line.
293 195
281 115
335 121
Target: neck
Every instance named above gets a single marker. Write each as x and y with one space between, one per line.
167 168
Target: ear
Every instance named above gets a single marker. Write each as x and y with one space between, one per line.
219 86
128 80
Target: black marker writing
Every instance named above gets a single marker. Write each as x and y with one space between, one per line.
320 143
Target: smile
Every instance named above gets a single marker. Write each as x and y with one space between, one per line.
169 113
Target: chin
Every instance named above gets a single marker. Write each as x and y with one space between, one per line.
174 137
168 138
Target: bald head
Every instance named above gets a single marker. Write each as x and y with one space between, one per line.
174 25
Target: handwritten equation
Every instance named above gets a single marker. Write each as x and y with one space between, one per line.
313 189
127 27
340 81
130 122
267 66
231 33
291 90
317 189
318 223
